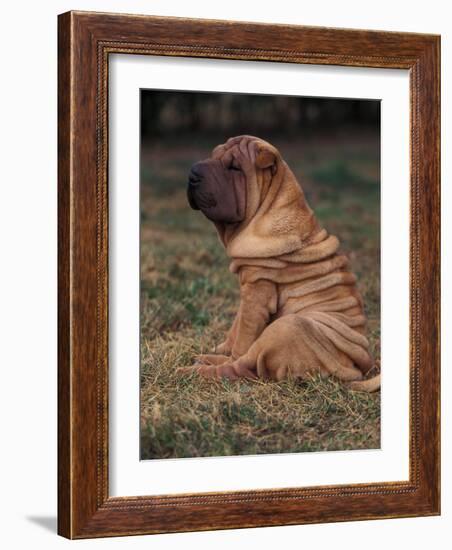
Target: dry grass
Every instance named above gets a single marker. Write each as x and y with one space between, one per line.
188 300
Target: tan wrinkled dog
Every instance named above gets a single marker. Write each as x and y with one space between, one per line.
300 311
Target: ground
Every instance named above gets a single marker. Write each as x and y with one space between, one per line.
189 298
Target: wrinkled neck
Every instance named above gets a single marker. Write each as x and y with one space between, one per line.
317 247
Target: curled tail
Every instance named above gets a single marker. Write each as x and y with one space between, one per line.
369 385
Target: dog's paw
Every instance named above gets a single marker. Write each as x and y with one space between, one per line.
211 359
226 369
207 371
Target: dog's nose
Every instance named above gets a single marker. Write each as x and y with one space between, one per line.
194 179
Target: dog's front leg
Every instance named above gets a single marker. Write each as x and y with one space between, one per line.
225 348
258 301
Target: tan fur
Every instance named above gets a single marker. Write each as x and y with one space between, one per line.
300 311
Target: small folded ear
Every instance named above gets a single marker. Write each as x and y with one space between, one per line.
265 157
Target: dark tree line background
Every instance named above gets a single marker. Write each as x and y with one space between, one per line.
170 113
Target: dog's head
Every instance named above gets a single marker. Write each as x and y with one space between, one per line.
220 185
253 198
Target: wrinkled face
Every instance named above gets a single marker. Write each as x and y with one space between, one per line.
217 187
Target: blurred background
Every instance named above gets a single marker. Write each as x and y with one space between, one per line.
166 113
189 298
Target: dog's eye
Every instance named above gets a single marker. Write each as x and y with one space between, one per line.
235 167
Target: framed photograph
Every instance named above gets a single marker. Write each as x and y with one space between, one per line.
248 275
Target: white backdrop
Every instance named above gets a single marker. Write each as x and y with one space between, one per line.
28 274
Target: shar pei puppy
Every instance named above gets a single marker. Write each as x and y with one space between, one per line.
300 311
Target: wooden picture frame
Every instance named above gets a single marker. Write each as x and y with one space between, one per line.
85 42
